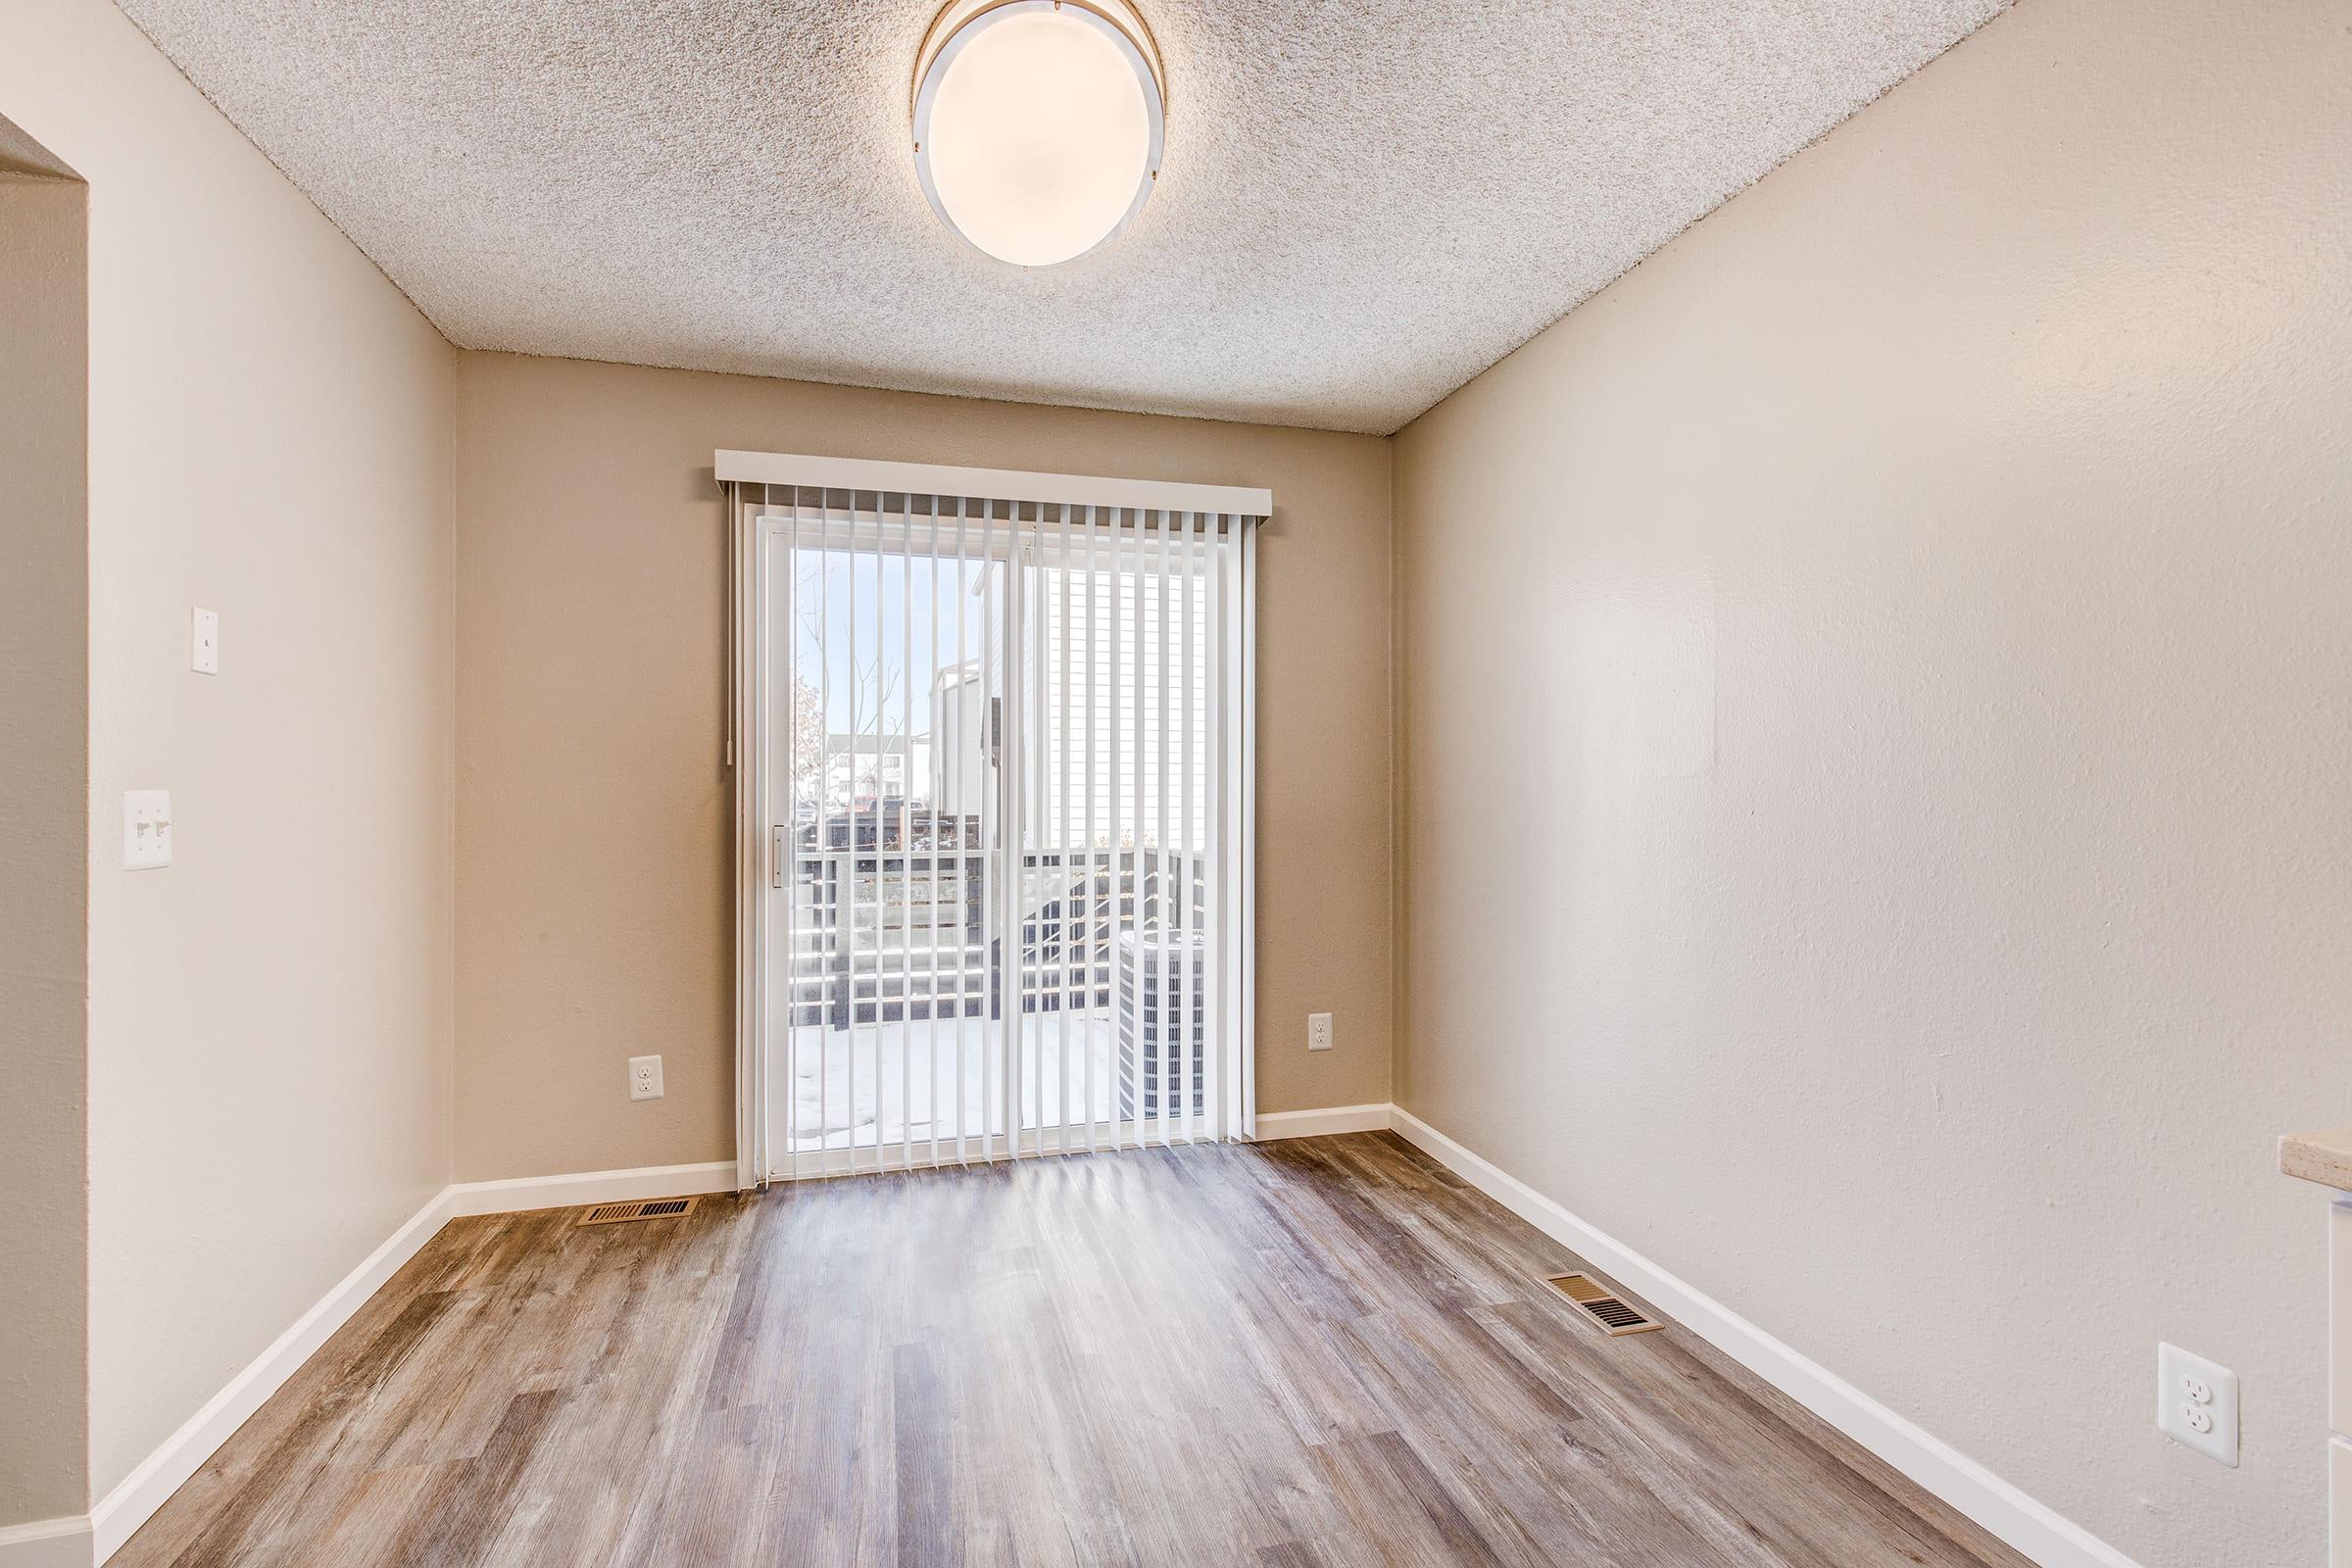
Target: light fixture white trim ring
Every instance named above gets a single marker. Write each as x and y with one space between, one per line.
961 22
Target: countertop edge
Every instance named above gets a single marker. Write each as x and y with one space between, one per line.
2325 1157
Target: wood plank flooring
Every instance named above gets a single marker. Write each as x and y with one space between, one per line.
1319 1353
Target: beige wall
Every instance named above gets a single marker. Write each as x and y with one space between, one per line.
44 893
593 909
270 436
1877 750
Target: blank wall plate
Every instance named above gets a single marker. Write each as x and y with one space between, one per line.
146 829
204 634
2196 1403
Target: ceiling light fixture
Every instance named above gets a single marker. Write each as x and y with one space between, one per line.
1038 123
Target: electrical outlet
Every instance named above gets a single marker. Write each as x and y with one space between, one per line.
146 829
205 640
645 1077
1318 1031
2196 1403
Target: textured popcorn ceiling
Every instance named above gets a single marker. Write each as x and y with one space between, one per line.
1364 204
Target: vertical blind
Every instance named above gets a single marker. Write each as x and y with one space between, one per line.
993 787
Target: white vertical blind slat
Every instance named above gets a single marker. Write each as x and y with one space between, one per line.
1138 978
874 890
751 588
1163 949
960 759
1246 699
906 830
1013 748
1038 736
788 851
1087 824
1186 965
1214 814
934 881
848 864
830 882
1061 820
991 1012
1221 782
1028 836
1124 1092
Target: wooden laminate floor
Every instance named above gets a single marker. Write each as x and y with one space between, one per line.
1326 1352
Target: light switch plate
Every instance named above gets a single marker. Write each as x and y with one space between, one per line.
2196 1403
205 641
146 829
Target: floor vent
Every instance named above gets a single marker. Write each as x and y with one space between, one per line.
1602 1306
644 1208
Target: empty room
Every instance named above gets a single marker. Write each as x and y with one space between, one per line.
1176 783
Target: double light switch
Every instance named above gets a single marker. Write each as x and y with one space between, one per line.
146 829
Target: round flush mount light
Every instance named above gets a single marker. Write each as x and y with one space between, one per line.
1038 123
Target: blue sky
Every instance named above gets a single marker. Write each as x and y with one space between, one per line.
851 583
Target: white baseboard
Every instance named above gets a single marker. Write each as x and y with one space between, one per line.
2042 1534
121 1512
1322 1123
524 1193
47 1544
2031 1527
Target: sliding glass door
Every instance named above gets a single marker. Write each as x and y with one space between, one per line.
1004 753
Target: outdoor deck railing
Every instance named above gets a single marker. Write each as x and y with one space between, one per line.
881 934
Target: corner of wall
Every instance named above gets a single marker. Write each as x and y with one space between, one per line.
447 978
1399 846
44 894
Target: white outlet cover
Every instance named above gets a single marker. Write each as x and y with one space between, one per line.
1318 1031
204 637
146 829
2189 1387
645 1077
